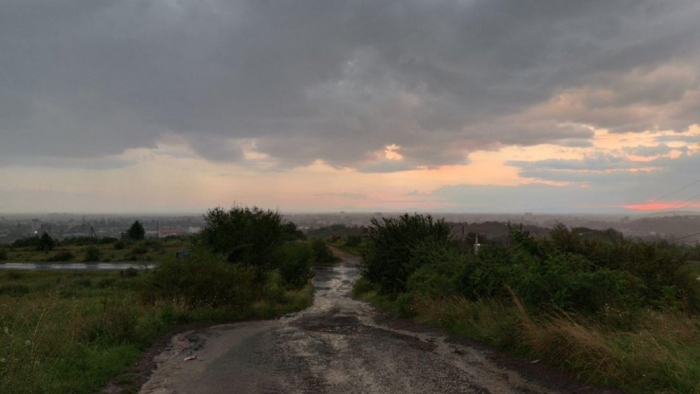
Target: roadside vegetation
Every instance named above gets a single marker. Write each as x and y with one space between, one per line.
43 248
612 310
70 332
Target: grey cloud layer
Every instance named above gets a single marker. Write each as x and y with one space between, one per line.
338 80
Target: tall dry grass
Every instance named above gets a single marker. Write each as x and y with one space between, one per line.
659 353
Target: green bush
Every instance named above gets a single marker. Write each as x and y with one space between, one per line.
202 280
250 236
139 250
296 265
92 254
353 241
45 243
3 255
438 275
389 244
413 256
322 254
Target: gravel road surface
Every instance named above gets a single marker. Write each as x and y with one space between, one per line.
340 345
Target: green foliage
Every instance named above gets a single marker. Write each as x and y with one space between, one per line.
571 270
92 254
136 232
139 249
26 242
250 236
296 265
291 232
322 254
389 245
203 280
353 241
45 243
62 256
3 255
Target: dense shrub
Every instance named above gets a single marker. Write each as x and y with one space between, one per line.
250 236
25 242
389 244
45 243
202 280
296 265
322 254
353 241
291 232
3 255
139 250
412 258
92 254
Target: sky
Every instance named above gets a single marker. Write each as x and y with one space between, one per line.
312 105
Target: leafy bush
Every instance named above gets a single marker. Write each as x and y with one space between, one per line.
295 266
250 236
322 254
414 257
389 244
139 250
108 240
438 275
45 243
119 245
291 232
353 241
26 242
3 255
202 280
92 254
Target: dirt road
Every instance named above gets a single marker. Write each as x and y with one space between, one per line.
338 345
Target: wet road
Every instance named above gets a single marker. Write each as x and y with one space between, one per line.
338 345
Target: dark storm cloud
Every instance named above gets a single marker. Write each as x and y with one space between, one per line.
339 80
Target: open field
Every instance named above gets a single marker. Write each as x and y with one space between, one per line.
149 250
71 332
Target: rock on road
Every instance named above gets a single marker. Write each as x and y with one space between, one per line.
338 345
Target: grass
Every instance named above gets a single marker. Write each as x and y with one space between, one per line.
149 250
656 352
70 332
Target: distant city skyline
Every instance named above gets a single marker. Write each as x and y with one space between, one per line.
317 106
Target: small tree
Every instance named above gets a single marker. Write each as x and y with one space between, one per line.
389 243
46 243
251 236
136 232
